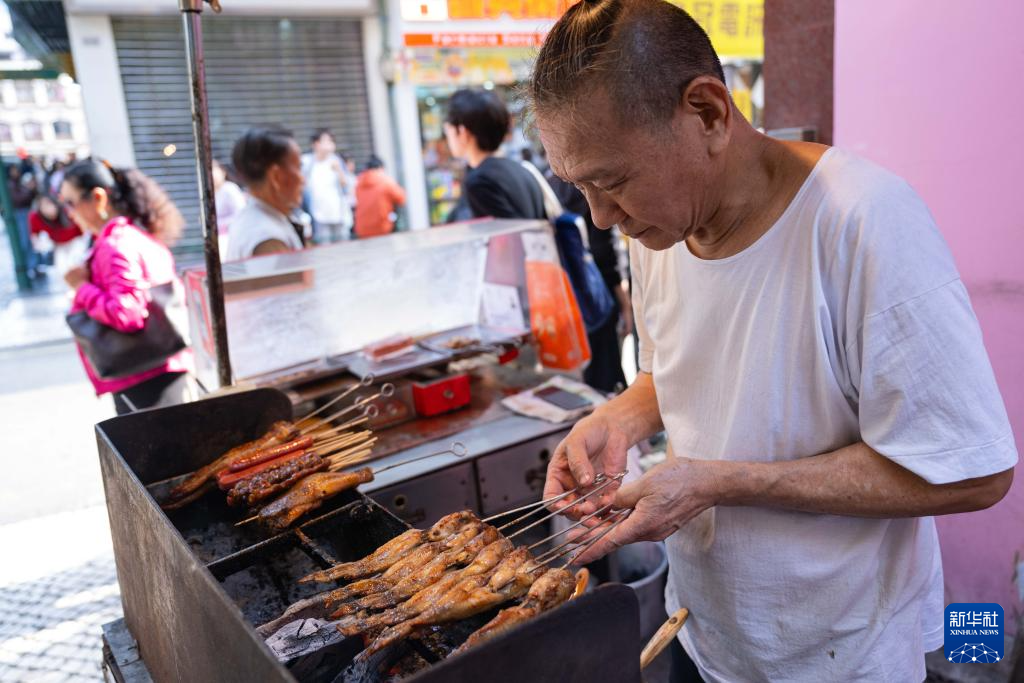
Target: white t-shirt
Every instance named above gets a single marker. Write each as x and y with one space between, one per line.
255 224
229 200
327 202
845 322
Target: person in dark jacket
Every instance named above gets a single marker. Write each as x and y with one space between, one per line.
475 127
605 369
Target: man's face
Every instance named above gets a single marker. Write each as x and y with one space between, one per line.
286 177
324 144
653 182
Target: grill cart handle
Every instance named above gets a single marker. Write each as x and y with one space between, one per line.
663 637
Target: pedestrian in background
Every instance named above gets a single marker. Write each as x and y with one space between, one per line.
326 180
229 200
134 222
476 125
69 244
21 188
269 161
377 199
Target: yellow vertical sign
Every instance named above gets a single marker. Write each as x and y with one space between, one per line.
736 27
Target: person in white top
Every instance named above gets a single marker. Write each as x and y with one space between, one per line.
328 181
806 344
229 200
268 160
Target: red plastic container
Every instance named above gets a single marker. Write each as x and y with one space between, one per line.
442 395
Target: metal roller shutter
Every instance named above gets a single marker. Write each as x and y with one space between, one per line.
301 73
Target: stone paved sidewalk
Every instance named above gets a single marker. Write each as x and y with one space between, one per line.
55 596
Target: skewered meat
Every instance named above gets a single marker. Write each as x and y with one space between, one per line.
226 479
308 494
393 551
317 606
501 575
268 483
266 454
470 596
413 562
208 485
549 591
278 433
429 573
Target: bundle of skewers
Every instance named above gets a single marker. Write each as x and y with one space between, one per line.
460 567
294 467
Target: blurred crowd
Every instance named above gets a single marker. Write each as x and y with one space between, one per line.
292 198
48 238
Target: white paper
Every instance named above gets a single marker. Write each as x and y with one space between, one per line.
500 307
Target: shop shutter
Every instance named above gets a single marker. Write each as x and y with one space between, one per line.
300 73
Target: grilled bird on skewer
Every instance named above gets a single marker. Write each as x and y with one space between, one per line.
464 548
426 598
199 481
469 597
308 494
549 591
317 605
392 551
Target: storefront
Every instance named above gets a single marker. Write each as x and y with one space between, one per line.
440 46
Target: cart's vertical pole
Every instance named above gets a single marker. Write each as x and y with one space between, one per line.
191 15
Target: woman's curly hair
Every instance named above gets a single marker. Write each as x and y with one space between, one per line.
133 195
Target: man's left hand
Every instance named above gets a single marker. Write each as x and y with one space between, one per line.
661 502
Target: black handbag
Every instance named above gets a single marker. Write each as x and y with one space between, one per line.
114 354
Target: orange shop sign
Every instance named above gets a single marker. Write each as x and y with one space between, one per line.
441 10
451 40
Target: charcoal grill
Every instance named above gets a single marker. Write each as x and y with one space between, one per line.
194 586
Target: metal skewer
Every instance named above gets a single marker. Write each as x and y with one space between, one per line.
596 513
598 489
364 382
588 544
458 449
386 390
571 547
548 501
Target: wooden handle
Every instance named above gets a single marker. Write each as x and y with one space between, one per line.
663 637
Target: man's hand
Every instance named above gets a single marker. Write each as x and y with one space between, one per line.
76 277
596 444
662 501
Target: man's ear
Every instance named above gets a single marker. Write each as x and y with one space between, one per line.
708 99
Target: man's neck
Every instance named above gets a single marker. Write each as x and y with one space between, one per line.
476 156
761 178
262 194
321 156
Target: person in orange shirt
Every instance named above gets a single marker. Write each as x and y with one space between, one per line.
377 199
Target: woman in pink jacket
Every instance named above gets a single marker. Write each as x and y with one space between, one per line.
133 222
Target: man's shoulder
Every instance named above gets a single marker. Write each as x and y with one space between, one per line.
860 206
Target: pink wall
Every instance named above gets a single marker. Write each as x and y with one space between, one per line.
933 91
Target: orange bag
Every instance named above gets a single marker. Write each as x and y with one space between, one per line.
555 317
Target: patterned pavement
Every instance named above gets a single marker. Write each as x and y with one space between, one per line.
54 601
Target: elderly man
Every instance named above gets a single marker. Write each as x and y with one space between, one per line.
805 342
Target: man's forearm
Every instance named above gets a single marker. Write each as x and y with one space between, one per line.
635 410
854 481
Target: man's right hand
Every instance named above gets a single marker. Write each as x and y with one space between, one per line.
596 444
